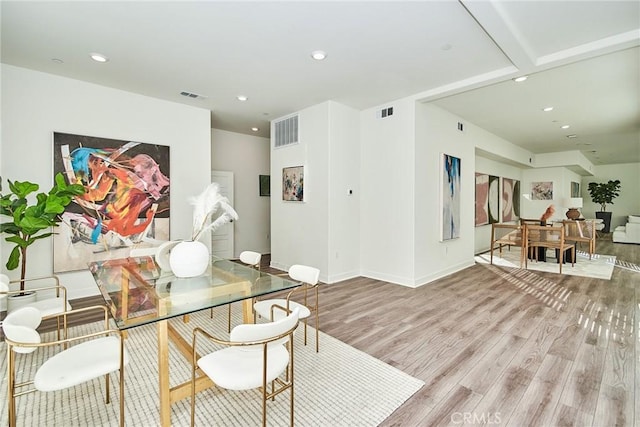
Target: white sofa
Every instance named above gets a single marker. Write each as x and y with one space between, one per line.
629 233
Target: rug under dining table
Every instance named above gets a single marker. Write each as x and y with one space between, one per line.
339 386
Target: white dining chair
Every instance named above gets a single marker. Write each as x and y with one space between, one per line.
276 308
251 259
254 356
51 296
85 358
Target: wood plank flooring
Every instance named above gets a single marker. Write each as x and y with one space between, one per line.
502 347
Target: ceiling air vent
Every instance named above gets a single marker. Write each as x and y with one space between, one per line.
192 95
286 132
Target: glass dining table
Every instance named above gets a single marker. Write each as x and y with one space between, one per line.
139 292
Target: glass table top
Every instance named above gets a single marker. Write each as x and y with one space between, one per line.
138 291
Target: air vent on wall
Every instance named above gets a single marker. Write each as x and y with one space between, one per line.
286 132
385 112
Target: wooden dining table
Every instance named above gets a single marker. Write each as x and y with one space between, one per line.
138 292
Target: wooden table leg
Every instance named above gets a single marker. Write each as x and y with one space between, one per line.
247 310
163 373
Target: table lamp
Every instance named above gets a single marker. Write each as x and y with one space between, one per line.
573 203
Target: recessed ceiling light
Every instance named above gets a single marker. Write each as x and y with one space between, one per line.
318 55
98 57
565 126
547 109
573 135
57 60
255 129
242 98
520 79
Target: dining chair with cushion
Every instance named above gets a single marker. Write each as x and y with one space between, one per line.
581 232
254 356
274 309
544 237
506 235
84 358
252 259
51 296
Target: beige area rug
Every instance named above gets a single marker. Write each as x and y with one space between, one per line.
339 386
599 266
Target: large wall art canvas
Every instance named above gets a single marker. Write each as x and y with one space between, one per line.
494 199
293 184
510 199
542 190
126 200
450 201
482 199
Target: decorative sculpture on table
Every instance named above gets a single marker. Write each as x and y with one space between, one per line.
191 258
548 213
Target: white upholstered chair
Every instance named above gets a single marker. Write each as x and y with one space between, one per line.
51 296
254 356
251 259
274 309
86 357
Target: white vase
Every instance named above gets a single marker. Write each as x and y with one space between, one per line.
189 259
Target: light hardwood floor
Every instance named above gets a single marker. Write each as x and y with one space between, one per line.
501 347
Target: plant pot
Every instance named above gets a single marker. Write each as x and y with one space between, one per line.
16 301
189 259
606 220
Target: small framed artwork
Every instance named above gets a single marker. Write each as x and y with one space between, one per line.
293 184
575 189
542 190
265 185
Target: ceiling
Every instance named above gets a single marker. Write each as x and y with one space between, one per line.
582 58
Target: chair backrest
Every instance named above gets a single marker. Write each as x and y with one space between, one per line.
264 332
251 258
506 233
583 230
305 274
545 234
20 326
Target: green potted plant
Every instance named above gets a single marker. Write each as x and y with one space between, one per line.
603 193
26 222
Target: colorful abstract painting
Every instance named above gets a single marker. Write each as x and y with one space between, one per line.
510 199
293 184
450 197
482 199
542 190
126 200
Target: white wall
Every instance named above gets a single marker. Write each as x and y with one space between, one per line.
561 178
437 133
344 207
628 203
387 182
247 156
34 105
299 230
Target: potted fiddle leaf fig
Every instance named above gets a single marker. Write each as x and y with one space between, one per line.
28 221
603 193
